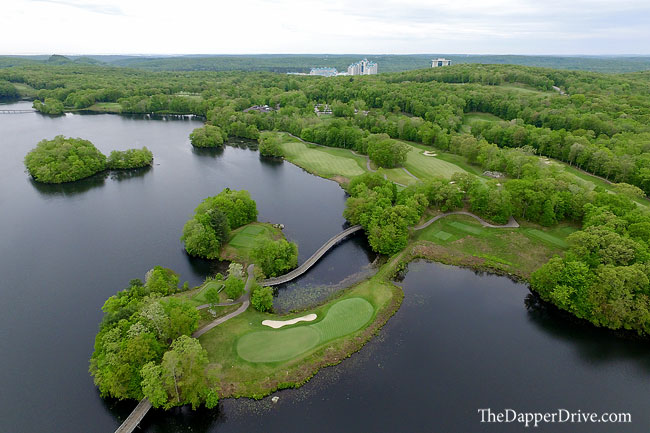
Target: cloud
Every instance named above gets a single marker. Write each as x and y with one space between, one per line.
99 8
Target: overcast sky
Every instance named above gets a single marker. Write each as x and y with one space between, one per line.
325 26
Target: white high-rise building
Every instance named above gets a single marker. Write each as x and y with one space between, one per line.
435 63
363 67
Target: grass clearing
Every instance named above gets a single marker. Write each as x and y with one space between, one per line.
518 251
25 90
244 239
105 107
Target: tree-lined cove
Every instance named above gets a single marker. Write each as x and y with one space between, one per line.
581 242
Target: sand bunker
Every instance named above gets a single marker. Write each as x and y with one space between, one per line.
275 324
427 153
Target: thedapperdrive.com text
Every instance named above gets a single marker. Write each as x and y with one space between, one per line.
560 416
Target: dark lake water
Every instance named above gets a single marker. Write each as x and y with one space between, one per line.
460 342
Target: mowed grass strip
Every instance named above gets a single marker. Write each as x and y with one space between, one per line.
276 346
342 318
476 230
325 162
547 237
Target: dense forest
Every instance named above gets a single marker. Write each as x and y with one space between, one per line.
303 62
597 123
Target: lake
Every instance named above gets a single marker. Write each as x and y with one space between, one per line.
461 341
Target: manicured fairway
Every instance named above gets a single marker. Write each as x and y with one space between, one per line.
343 318
326 162
397 175
425 167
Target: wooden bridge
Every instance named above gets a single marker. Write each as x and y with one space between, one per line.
16 111
312 260
136 416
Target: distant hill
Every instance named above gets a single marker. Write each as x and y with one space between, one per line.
283 63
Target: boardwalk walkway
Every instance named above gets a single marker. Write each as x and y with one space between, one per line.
133 420
136 416
16 111
312 260
511 224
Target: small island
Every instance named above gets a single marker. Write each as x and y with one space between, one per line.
64 159
208 234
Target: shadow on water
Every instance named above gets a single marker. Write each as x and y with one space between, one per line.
593 345
205 266
81 186
70 188
212 152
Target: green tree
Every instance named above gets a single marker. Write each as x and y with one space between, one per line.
276 257
181 377
208 136
262 298
269 145
234 287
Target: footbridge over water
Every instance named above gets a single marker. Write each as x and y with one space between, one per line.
312 260
16 111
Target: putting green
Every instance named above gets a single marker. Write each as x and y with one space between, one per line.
274 346
342 318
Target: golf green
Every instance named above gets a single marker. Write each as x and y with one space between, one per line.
344 317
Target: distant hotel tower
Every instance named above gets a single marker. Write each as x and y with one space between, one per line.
362 67
440 62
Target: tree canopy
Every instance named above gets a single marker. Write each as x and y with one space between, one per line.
64 160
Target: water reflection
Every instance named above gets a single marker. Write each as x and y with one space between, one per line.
81 186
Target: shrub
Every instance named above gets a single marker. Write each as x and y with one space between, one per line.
132 158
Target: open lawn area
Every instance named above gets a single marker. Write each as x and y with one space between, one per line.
252 360
105 107
25 90
327 162
520 250
244 239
